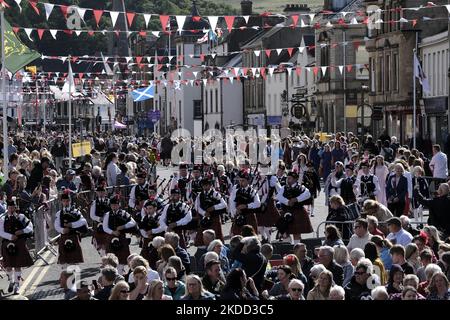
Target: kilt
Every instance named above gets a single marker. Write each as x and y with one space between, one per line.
21 259
216 226
301 223
269 217
251 220
70 257
122 253
99 238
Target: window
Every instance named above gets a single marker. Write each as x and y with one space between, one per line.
197 50
433 67
211 101
372 74
380 68
395 78
217 101
387 73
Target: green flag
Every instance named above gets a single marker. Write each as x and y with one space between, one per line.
17 55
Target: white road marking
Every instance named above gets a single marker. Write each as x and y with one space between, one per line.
36 268
41 276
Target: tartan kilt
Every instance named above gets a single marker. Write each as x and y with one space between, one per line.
269 217
99 238
70 257
216 226
21 259
123 253
251 220
301 223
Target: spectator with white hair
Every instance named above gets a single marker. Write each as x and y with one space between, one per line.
326 257
356 255
379 293
216 246
337 293
342 258
313 276
372 226
357 288
430 270
406 225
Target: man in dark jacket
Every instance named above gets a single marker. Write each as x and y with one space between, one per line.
109 275
300 250
59 151
357 288
326 254
174 240
212 280
37 174
248 252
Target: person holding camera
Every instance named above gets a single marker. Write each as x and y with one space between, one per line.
117 223
70 223
14 229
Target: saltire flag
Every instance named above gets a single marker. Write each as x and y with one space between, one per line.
419 74
143 94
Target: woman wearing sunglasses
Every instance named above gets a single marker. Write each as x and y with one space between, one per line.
121 291
173 287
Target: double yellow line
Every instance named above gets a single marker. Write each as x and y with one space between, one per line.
38 267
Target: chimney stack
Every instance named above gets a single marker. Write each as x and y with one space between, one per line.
246 7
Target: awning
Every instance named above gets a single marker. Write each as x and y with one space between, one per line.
119 125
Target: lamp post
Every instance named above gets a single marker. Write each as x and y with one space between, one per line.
3 90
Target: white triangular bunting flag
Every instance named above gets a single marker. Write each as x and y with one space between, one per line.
302 24
236 71
354 21
81 12
341 68
213 22
18 3
246 19
128 59
211 73
28 32
308 69
180 74
115 66
191 82
329 25
301 49
114 15
289 70
147 18
231 79
180 22
155 33
53 33
344 13
204 81
48 9
253 71
448 7
191 56
312 16
324 70
213 55
63 59
271 69
257 52
279 51
78 32
195 73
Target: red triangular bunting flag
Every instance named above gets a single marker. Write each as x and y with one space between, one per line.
229 20
262 72
143 34
202 57
298 70
40 33
414 22
290 51
33 3
334 45
244 71
16 29
164 20
130 17
98 14
316 71
69 32
160 59
317 25
91 33
294 20
80 75
268 51
349 68
64 10
138 60
196 18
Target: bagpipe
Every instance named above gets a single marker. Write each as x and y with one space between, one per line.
71 215
207 201
175 213
16 224
290 193
148 223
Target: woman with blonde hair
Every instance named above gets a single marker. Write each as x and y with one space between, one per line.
121 291
195 290
421 187
381 171
156 291
321 290
292 261
342 258
141 284
412 256
434 239
438 289
165 252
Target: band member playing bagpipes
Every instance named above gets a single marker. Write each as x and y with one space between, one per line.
70 223
281 173
153 194
194 188
209 205
140 191
149 226
269 214
99 207
117 223
367 186
15 227
176 215
223 185
244 203
311 181
181 181
293 197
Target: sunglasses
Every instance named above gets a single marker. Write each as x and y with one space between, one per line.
297 289
171 279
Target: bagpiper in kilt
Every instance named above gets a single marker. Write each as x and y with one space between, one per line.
117 223
176 215
367 186
70 223
99 207
140 191
244 203
209 205
181 181
292 198
150 226
15 228
269 214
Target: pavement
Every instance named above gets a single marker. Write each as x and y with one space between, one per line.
41 281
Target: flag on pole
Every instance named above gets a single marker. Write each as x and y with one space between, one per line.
69 85
419 74
17 55
143 94
204 38
108 70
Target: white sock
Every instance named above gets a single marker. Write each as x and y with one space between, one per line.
312 210
267 233
18 276
261 232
